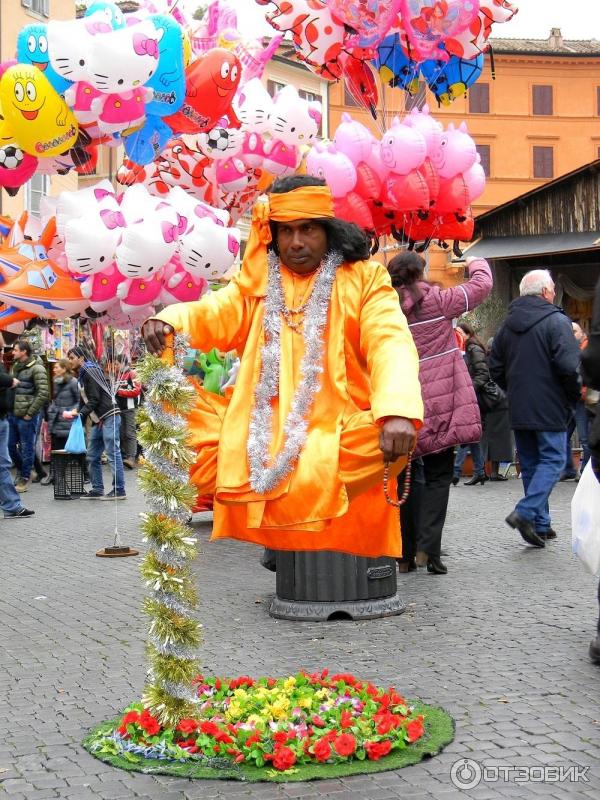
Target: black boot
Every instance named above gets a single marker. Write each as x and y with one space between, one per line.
476 479
435 565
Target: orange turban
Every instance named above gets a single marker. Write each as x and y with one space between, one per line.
306 202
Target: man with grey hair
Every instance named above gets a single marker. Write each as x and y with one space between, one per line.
535 358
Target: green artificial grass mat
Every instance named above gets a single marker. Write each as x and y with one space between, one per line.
439 732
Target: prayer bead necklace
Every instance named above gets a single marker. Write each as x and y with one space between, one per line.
406 488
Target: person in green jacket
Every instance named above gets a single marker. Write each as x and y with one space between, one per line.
31 394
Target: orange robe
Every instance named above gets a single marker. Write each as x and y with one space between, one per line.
333 499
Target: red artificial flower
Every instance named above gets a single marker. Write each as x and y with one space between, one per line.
280 737
385 721
322 749
375 750
284 758
149 723
344 676
414 729
187 726
318 721
216 748
243 680
346 719
345 744
238 758
221 736
271 682
209 728
218 684
252 739
130 716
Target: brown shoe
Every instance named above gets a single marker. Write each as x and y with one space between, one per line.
421 559
21 485
129 463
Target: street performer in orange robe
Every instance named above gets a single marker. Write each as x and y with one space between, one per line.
327 391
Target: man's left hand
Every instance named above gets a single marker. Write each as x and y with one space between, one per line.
398 438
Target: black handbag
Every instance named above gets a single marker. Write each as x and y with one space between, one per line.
491 397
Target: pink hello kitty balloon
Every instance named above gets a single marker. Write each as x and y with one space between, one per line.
101 289
353 139
231 175
179 285
253 150
124 59
80 97
148 244
456 153
333 167
140 292
280 158
402 148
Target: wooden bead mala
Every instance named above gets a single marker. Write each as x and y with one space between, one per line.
405 489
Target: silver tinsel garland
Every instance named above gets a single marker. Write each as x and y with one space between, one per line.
264 475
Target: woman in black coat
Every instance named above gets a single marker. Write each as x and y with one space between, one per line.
65 398
475 358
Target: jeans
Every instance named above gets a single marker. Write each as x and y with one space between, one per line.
478 461
21 443
104 437
581 421
542 458
9 497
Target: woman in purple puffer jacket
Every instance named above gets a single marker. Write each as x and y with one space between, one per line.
451 410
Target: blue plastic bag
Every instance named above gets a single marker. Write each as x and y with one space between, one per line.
76 440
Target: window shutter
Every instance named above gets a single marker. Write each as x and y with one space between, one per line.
479 98
26 3
273 87
348 98
543 162
542 101
484 151
598 100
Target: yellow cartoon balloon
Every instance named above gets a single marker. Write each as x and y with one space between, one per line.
40 119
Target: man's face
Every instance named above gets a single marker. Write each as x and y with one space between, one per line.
302 244
18 354
74 361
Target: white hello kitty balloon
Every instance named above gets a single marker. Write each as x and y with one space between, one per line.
69 49
209 250
293 120
91 241
124 59
70 205
253 107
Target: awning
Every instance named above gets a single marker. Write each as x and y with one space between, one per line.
524 246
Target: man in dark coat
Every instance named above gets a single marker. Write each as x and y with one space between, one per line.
590 363
10 499
535 357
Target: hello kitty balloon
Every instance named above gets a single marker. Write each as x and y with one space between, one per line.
254 106
148 244
124 59
293 120
179 285
139 293
69 47
101 289
91 241
71 205
456 153
402 148
209 250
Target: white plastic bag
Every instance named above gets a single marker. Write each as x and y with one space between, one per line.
585 520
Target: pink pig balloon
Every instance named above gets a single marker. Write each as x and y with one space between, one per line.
430 128
402 148
334 167
456 153
475 180
353 139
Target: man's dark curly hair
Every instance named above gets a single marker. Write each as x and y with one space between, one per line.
344 237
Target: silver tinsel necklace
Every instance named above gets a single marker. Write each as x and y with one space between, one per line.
264 476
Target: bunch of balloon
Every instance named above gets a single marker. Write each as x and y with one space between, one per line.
117 258
417 182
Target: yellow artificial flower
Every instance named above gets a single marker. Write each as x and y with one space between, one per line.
234 711
289 684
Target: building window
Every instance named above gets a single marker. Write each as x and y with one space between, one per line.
40 7
598 100
35 189
542 101
543 162
273 87
416 100
348 98
484 151
479 98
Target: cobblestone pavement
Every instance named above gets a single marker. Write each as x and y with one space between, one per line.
500 642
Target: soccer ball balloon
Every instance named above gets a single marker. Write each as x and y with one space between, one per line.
11 156
221 143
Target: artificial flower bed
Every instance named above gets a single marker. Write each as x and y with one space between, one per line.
276 725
